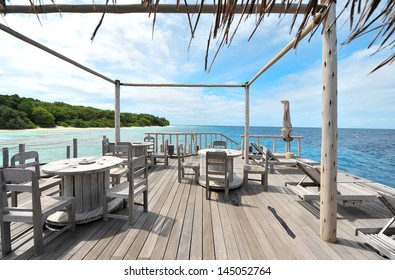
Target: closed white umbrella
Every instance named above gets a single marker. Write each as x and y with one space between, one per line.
286 130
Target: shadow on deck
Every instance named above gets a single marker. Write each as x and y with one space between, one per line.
182 224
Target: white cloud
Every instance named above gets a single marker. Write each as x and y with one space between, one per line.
124 49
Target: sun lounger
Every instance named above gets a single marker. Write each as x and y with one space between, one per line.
273 160
382 239
347 193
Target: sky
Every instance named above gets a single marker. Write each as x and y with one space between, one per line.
126 49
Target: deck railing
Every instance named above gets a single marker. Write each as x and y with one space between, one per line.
263 139
193 141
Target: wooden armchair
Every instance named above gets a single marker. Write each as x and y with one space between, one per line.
118 172
163 155
217 172
184 166
260 167
219 144
30 160
136 184
150 149
35 211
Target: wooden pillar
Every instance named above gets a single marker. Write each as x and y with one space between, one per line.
6 158
117 116
328 197
247 123
67 152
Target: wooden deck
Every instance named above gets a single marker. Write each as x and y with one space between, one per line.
182 224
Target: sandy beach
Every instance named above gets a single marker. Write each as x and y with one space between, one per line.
49 129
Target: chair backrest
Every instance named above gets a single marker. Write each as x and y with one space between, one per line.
10 181
28 160
135 164
150 139
219 144
123 150
216 164
263 150
165 148
312 172
388 200
180 154
107 147
269 154
257 148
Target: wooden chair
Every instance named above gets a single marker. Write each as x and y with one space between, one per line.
116 173
150 139
162 155
137 183
30 160
382 238
35 211
186 165
308 188
219 144
260 167
150 149
217 172
272 159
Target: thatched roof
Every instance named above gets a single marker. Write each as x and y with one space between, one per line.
373 17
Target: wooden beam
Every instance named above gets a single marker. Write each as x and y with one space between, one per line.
138 8
54 53
180 85
288 47
328 193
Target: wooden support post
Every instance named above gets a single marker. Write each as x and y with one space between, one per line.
75 148
117 116
67 152
247 123
6 158
328 199
22 149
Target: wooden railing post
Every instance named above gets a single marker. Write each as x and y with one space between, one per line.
67 152
6 157
75 148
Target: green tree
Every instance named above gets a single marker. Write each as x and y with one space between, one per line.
12 119
26 106
42 117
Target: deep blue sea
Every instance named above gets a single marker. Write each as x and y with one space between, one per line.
369 153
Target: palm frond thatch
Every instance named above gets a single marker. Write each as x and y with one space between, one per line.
373 17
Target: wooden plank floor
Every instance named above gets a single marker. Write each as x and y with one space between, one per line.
182 224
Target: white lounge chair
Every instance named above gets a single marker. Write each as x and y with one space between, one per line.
272 159
382 239
347 193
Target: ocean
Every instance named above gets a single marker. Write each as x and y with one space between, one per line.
369 153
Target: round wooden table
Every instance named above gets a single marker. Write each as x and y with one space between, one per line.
235 181
84 178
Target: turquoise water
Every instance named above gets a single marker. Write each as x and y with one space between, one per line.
369 153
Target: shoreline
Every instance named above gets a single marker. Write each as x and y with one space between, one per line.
57 128
60 128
